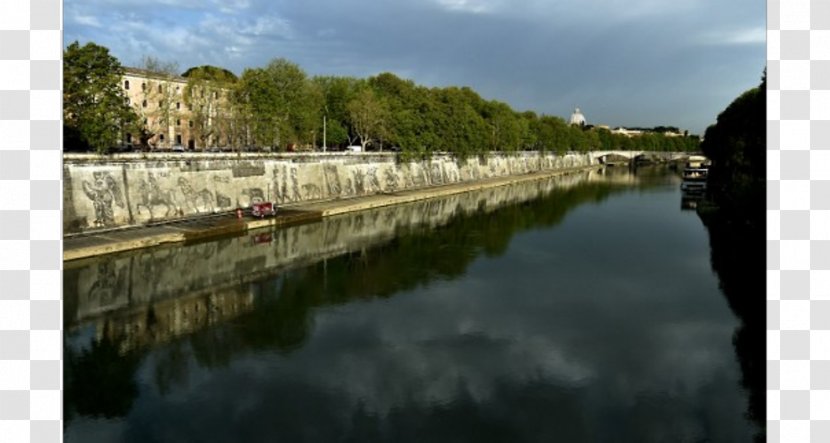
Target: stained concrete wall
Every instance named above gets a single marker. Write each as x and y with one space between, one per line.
110 192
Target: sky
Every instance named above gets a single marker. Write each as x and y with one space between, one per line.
623 63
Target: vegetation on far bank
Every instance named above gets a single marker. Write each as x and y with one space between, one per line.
279 105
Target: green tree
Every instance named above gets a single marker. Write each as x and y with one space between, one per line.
735 217
208 96
278 102
337 92
367 116
505 128
95 108
736 144
306 116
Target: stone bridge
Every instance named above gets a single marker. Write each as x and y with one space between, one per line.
601 156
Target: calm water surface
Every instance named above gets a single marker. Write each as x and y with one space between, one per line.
577 309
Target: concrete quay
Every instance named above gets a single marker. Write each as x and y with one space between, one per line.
195 229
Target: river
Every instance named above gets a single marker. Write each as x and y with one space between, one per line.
577 308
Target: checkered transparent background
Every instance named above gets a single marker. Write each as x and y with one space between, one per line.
798 275
30 221
798 221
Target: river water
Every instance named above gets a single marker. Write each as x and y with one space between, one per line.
578 308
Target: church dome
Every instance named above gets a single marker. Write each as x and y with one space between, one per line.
577 118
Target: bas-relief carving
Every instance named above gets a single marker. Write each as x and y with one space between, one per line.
332 180
391 179
405 172
103 190
357 176
249 196
160 194
223 201
151 195
373 182
452 173
419 177
312 191
436 174
198 201
311 181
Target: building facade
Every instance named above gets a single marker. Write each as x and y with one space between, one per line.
167 119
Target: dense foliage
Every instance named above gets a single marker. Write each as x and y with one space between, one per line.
279 106
737 147
735 218
95 109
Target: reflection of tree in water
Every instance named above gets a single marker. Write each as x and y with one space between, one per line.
282 316
735 217
172 367
99 381
738 258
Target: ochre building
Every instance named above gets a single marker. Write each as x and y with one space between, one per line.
168 120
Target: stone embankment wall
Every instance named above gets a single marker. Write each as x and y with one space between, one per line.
135 189
127 285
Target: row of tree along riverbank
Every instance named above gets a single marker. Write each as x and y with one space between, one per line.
735 215
279 106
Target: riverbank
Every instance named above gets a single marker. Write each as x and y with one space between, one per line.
101 243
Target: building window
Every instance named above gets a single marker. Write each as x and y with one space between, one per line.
161 137
178 105
126 84
159 88
178 122
129 138
215 94
144 86
145 121
178 139
144 104
190 123
161 103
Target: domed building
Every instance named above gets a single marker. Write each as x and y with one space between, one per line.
577 118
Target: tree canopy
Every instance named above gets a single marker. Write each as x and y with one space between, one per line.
281 107
209 72
736 144
95 109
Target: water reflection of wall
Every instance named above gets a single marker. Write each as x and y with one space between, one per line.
186 285
163 320
130 191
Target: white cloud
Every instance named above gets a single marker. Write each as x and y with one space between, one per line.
472 6
269 26
87 20
232 6
743 36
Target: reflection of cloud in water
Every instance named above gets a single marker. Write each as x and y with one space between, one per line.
579 355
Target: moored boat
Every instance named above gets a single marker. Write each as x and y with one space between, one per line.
695 174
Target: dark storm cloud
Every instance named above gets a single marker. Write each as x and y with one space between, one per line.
643 62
